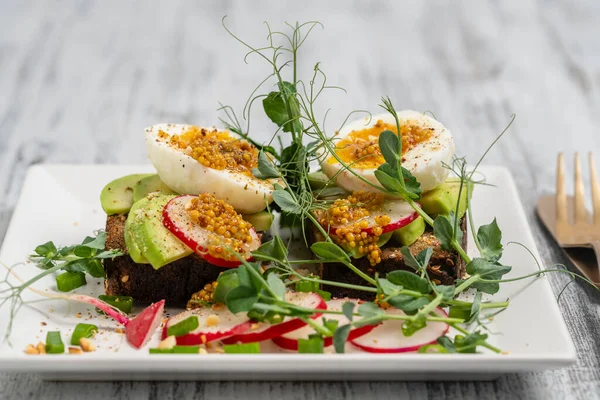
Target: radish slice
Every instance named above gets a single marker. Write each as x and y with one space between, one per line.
178 222
289 341
388 337
400 212
139 330
263 331
227 324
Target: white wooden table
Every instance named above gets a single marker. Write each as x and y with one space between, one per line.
80 79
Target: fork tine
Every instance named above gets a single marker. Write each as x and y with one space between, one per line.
561 194
580 212
595 190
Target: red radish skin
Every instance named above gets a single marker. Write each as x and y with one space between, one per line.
395 225
400 213
175 219
388 337
289 341
266 331
229 324
138 330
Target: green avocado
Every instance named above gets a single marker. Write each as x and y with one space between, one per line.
443 199
117 196
383 239
408 234
149 185
317 180
159 246
130 242
261 221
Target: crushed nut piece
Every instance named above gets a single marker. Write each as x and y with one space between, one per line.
30 349
202 351
168 343
75 350
125 278
87 345
120 330
41 348
78 315
212 320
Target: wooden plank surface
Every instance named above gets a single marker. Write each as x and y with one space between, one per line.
80 79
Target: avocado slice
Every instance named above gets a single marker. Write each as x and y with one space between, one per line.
383 239
317 180
261 221
409 234
443 199
149 185
130 242
117 196
159 246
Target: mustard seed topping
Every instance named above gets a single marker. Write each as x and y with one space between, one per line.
216 149
351 213
203 297
361 147
230 233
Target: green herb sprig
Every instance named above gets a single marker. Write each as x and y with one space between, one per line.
291 107
85 257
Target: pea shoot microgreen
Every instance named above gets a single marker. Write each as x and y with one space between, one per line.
290 106
85 257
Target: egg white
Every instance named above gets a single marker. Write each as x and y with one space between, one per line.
425 160
185 175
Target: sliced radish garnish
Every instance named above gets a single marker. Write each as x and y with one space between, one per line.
140 329
400 212
213 324
176 219
263 331
289 341
388 337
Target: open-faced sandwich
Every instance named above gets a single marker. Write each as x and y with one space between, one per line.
374 226
380 206
180 227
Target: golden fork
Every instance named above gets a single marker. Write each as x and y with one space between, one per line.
577 232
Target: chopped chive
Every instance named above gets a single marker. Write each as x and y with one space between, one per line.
183 327
68 281
330 324
186 349
161 351
242 348
459 312
83 331
325 295
54 343
123 303
307 286
313 345
177 350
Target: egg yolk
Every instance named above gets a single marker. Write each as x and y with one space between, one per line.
229 231
216 149
361 148
350 213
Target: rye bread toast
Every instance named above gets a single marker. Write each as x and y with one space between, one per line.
175 282
445 267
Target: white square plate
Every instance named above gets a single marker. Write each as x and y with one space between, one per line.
61 203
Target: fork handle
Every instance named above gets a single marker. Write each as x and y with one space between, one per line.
596 246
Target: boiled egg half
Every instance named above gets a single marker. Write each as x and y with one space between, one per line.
193 160
426 145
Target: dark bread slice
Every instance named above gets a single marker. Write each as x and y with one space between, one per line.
445 267
175 282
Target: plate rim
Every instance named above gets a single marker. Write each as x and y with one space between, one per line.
103 362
